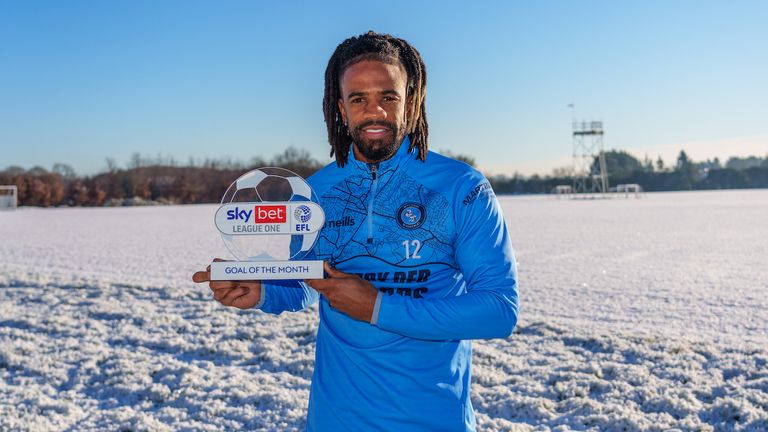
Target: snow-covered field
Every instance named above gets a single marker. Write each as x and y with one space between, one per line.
646 314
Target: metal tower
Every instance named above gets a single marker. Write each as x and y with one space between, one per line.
588 177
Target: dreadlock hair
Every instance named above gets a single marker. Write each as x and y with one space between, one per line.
386 49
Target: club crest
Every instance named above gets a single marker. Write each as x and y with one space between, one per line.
411 215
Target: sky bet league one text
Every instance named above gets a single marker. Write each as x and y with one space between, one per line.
269 219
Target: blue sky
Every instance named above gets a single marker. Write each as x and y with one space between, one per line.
82 81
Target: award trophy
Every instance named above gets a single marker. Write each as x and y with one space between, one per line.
269 219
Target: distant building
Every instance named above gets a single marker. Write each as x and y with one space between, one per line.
628 188
562 190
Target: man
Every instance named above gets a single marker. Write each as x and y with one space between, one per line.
417 254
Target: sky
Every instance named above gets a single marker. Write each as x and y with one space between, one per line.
83 81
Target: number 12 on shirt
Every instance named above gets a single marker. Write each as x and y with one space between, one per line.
412 245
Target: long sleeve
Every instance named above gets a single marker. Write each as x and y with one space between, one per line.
488 308
278 296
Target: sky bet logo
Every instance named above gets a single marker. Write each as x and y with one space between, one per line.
268 218
270 214
238 214
262 214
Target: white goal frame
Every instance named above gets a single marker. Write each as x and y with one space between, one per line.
9 201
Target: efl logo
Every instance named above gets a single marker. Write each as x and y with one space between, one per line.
269 214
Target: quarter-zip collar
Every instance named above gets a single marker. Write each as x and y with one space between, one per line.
375 172
402 155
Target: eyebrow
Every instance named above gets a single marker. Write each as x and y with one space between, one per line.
359 94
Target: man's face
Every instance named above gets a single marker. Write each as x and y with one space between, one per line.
372 105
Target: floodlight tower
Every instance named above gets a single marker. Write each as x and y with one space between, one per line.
588 146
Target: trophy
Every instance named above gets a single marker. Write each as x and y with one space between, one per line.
269 220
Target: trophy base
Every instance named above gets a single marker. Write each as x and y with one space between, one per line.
266 270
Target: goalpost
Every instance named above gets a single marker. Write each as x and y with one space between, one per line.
8 197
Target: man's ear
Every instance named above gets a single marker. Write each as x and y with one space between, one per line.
342 111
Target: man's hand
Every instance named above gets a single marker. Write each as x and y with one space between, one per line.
346 293
239 294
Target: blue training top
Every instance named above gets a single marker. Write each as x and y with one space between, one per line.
431 237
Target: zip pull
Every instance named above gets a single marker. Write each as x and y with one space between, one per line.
373 167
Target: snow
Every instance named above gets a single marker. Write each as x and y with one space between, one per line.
638 314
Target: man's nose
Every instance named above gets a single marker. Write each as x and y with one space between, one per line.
374 110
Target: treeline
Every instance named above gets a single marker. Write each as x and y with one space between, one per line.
652 175
163 181
142 181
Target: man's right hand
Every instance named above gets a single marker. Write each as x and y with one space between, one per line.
239 294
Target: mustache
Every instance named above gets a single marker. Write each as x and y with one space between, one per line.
388 125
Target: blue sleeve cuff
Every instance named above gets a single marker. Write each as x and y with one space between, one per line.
376 306
262 297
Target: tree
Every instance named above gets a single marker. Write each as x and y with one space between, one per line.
111 165
563 172
683 161
739 163
647 163
469 160
66 172
13 170
79 194
619 164
37 171
136 161
686 170
299 161
142 189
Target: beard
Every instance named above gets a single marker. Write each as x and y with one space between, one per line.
378 149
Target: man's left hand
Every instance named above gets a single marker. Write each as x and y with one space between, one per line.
346 293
